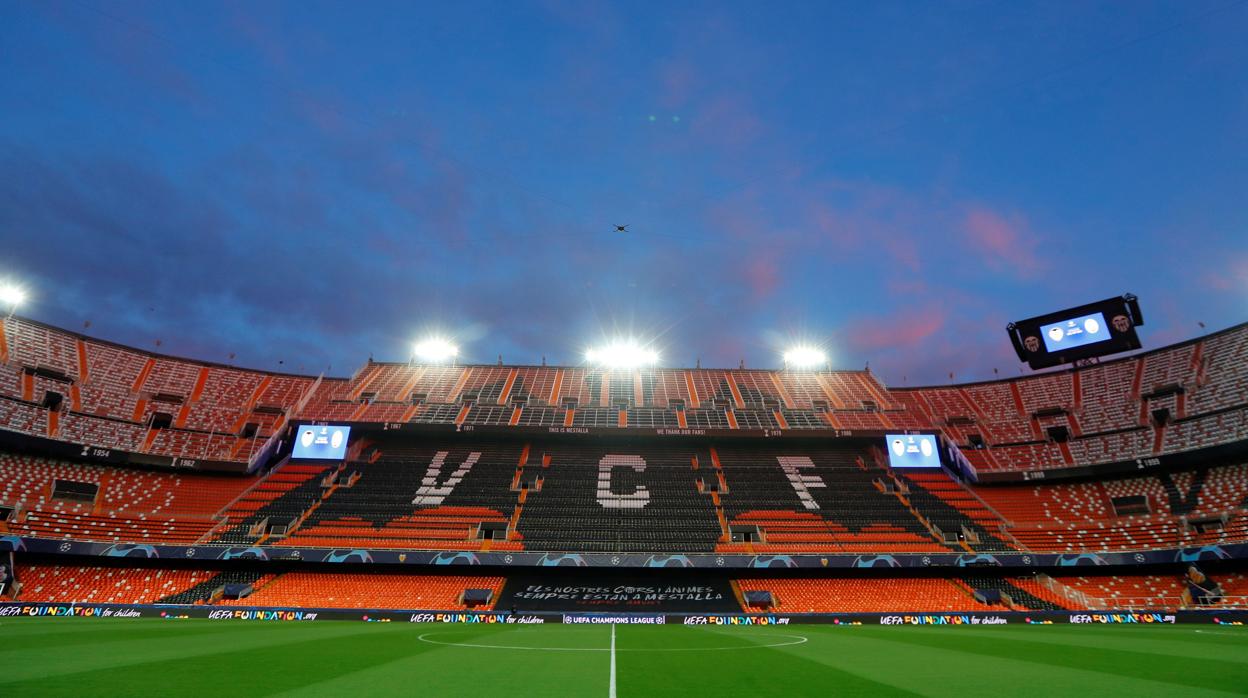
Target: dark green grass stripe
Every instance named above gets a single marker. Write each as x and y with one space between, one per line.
179 643
92 636
1175 643
1115 658
250 672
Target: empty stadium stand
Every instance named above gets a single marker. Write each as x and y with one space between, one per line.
609 500
368 591
127 505
110 394
880 595
83 585
614 492
1129 591
425 498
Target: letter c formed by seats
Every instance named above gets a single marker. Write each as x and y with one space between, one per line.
639 498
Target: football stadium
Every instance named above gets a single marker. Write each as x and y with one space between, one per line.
392 349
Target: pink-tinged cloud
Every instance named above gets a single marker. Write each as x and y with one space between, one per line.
901 330
1004 243
763 276
834 225
677 78
904 252
1232 276
728 121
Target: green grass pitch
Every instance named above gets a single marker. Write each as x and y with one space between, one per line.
115 657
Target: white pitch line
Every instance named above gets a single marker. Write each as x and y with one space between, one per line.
611 688
795 640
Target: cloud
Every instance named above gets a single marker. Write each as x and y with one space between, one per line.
1003 242
904 329
1230 274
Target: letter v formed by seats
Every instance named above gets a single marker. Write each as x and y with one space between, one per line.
430 492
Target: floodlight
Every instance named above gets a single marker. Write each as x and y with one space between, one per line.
804 357
435 350
12 295
622 354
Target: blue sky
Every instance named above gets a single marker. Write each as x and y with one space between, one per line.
312 183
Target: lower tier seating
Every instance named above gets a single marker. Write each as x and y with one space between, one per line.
73 584
865 595
1129 591
378 591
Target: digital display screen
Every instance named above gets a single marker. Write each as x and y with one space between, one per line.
320 442
1075 332
912 451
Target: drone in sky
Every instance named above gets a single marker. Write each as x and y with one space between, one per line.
621 228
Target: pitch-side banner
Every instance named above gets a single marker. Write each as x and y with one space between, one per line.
532 593
308 615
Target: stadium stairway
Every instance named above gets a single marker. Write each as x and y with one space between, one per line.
286 493
203 592
816 500
1022 599
948 517
418 497
658 509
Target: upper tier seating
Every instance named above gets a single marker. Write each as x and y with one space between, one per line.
284 494
1079 517
815 500
601 499
402 499
111 391
484 495
131 505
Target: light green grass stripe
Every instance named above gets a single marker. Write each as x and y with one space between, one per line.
447 671
758 672
1115 657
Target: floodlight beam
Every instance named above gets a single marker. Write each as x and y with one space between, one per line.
622 354
435 350
805 357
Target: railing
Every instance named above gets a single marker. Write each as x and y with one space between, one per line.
1076 597
1141 603
1227 602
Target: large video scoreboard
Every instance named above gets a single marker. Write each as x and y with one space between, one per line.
1088 331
